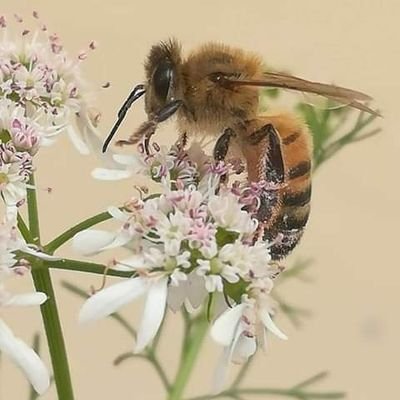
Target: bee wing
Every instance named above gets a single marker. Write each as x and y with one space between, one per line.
352 98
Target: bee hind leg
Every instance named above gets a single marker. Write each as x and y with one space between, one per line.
273 168
267 164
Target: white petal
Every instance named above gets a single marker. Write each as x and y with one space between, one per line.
110 299
120 239
225 326
225 360
91 241
219 376
197 291
105 174
131 263
25 359
245 348
127 159
153 314
77 141
116 213
270 325
176 296
26 299
39 254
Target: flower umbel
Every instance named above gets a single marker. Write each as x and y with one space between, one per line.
196 239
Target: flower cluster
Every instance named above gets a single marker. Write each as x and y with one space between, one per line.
196 242
42 95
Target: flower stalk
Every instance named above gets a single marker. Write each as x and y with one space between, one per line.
190 351
51 320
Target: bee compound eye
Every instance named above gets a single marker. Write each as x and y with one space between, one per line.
162 79
217 77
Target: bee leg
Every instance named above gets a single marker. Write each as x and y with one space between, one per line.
148 128
274 167
222 146
182 141
271 169
136 93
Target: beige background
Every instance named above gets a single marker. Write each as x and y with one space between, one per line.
354 229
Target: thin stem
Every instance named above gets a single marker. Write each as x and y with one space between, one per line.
293 393
49 310
23 228
33 212
83 266
312 380
297 394
152 359
189 355
159 369
70 233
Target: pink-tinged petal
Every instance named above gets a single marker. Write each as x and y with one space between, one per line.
26 299
105 174
225 326
153 314
245 348
24 358
110 299
91 241
77 141
270 325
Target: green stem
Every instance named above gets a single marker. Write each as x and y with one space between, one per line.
70 233
33 213
83 266
55 339
190 352
51 321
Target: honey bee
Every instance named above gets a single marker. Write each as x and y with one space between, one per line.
215 91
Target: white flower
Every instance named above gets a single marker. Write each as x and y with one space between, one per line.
239 328
214 269
228 213
247 259
109 300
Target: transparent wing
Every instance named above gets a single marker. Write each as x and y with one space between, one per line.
348 97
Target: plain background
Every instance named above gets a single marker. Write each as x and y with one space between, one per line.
354 230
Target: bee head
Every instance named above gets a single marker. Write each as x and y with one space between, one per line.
163 75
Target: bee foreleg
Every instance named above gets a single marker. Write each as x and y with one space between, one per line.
148 128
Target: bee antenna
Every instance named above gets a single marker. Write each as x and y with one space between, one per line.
137 92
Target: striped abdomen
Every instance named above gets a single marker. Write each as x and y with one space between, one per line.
288 209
